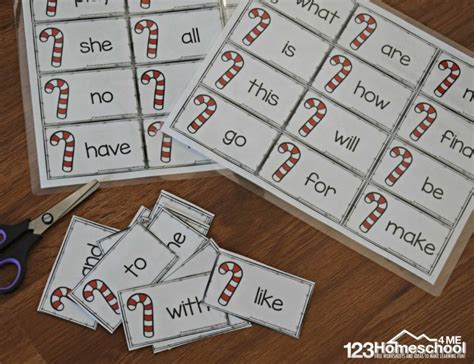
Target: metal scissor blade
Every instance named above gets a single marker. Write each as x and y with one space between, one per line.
45 220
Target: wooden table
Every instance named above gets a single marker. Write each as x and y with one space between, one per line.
354 300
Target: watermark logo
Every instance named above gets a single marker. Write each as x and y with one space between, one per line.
406 345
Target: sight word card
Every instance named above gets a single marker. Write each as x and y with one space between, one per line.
173 318
185 319
79 253
137 258
186 211
201 262
356 117
262 294
103 77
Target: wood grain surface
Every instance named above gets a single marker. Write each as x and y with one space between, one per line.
354 300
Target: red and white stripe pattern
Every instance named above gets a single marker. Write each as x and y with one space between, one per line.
63 100
257 30
58 36
377 213
145 4
454 74
314 120
233 283
154 128
238 63
152 45
145 300
159 78
70 143
425 124
51 7
166 143
103 289
401 168
57 297
204 116
289 164
370 26
341 75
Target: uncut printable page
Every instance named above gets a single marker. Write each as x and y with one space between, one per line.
347 112
103 78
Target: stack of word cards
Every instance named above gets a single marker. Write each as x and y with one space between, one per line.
103 77
348 113
166 282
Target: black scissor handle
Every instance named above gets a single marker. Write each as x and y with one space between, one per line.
17 241
10 233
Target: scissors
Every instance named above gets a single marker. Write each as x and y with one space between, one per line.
17 240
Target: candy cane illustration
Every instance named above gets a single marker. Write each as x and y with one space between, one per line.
201 119
154 128
63 100
57 296
58 36
259 28
233 283
238 63
152 46
407 159
425 124
145 300
159 99
317 116
51 7
377 213
166 143
145 4
371 25
341 75
68 156
288 165
445 85
98 285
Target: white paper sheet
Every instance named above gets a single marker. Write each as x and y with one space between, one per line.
259 293
171 309
78 254
190 213
369 133
96 71
137 258
202 261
